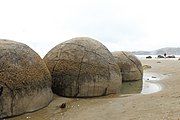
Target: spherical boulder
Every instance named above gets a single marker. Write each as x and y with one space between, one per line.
25 81
83 67
130 65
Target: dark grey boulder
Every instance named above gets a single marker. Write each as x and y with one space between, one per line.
148 57
171 56
130 65
160 56
25 82
83 67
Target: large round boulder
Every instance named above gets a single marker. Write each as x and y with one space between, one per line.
25 81
83 67
130 65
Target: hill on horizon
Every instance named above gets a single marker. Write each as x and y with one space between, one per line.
167 50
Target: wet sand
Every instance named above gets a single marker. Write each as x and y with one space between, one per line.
162 105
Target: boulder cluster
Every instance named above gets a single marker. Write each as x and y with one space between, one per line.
79 67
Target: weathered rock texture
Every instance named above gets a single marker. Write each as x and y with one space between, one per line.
130 65
25 82
83 67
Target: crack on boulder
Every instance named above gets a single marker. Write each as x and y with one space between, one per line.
109 74
7 86
105 91
133 62
1 90
59 55
121 73
91 51
79 73
1 56
12 101
78 91
76 44
12 97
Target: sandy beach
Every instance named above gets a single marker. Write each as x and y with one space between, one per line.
162 105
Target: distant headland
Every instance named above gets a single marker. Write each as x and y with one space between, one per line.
167 50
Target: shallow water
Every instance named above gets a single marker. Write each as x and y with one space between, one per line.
132 87
53 111
146 86
149 83
149 88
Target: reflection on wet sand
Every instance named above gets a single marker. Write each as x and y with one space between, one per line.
55 112
149 83
145 86
131 87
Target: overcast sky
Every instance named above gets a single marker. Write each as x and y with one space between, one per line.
127 25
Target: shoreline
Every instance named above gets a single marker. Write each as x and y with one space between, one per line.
143 57
163 104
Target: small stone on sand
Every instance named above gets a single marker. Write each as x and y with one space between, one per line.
63 105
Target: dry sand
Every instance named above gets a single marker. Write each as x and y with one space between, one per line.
162 105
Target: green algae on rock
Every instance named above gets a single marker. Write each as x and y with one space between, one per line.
83 67
25 81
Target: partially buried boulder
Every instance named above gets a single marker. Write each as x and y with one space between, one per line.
130 66
25 82
83 67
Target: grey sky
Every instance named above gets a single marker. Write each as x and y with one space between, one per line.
119 24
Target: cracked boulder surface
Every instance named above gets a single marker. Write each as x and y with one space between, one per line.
25 81
83 67
130 65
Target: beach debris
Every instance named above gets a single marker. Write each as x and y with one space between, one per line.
146 67
28 117
63 105
154 77
159 62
